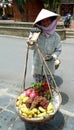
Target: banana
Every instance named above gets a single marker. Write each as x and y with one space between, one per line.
34 110
24 114
42 114
51 111
17 103
30 115
25 98
50 107
42 109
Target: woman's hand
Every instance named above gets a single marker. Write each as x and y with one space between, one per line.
48 57
30 42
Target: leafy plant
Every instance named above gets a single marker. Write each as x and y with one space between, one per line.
19 5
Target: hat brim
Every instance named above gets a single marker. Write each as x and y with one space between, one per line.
44 14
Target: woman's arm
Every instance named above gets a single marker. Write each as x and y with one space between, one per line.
33 36
58 47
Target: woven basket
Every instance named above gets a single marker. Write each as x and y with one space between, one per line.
56 102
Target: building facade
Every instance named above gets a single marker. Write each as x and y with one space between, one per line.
6 9
30 10
10 10
67 6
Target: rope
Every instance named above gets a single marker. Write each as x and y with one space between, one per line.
40 54
26 67
44 62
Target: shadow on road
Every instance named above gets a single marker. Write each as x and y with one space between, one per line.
56 123
65 98
58 80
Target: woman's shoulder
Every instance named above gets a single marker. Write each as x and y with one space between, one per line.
56 35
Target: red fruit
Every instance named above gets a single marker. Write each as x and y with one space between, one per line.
33 94
28 92
40 94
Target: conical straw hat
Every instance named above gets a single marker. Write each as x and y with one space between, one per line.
44 13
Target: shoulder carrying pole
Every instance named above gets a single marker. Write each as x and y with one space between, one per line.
26 67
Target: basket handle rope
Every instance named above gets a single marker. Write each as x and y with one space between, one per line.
44 62
34 38
27 54
41 56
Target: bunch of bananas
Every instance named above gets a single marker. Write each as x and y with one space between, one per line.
35 112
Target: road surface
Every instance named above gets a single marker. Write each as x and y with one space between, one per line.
12 67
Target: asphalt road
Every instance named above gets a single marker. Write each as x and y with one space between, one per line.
12 67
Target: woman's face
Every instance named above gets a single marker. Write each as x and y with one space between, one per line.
46 22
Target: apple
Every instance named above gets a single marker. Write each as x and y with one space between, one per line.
28 92
33 94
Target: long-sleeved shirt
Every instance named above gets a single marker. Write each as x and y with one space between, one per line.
48 46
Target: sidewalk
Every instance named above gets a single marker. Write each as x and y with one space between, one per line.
71 27
60 22
72 24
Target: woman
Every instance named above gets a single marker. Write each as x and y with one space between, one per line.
48 43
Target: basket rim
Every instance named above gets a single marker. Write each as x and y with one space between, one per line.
41 119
